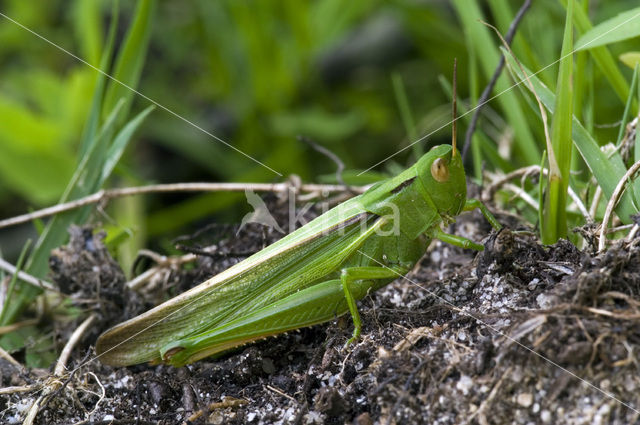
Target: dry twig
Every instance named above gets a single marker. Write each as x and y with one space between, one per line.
613 201
26 277
107 194
228 402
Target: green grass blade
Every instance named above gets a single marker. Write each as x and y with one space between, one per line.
93 121
129 63
554 225
120 143
622 27
541 190
14 279
627 107
474 92
87 22
55 232
636 148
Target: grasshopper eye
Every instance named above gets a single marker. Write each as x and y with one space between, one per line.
440 170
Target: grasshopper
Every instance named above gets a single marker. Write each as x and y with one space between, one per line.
310 276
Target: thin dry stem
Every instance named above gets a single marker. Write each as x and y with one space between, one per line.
18 389
529 170
70 345
484 97
8 357
105 195
523 195
280 392
492 395
15 326
100 396
26 277
597 196
613 201
228 402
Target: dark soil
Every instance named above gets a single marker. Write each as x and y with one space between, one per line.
520 333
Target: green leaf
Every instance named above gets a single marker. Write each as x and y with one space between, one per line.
622 27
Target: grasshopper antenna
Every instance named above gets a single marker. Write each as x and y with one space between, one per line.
454 135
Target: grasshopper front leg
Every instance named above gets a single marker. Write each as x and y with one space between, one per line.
472 204
459 241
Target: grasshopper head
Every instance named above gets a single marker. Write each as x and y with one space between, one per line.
441 173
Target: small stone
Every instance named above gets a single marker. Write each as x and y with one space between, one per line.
525 399
216 418
545 416
436 256
383 353
464 384
629 383
602 415
545 301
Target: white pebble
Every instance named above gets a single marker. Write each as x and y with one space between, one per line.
464 384
545 416
544 301
525 399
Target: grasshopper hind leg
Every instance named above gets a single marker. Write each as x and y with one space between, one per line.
353 274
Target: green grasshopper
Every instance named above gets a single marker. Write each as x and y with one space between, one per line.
312 275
